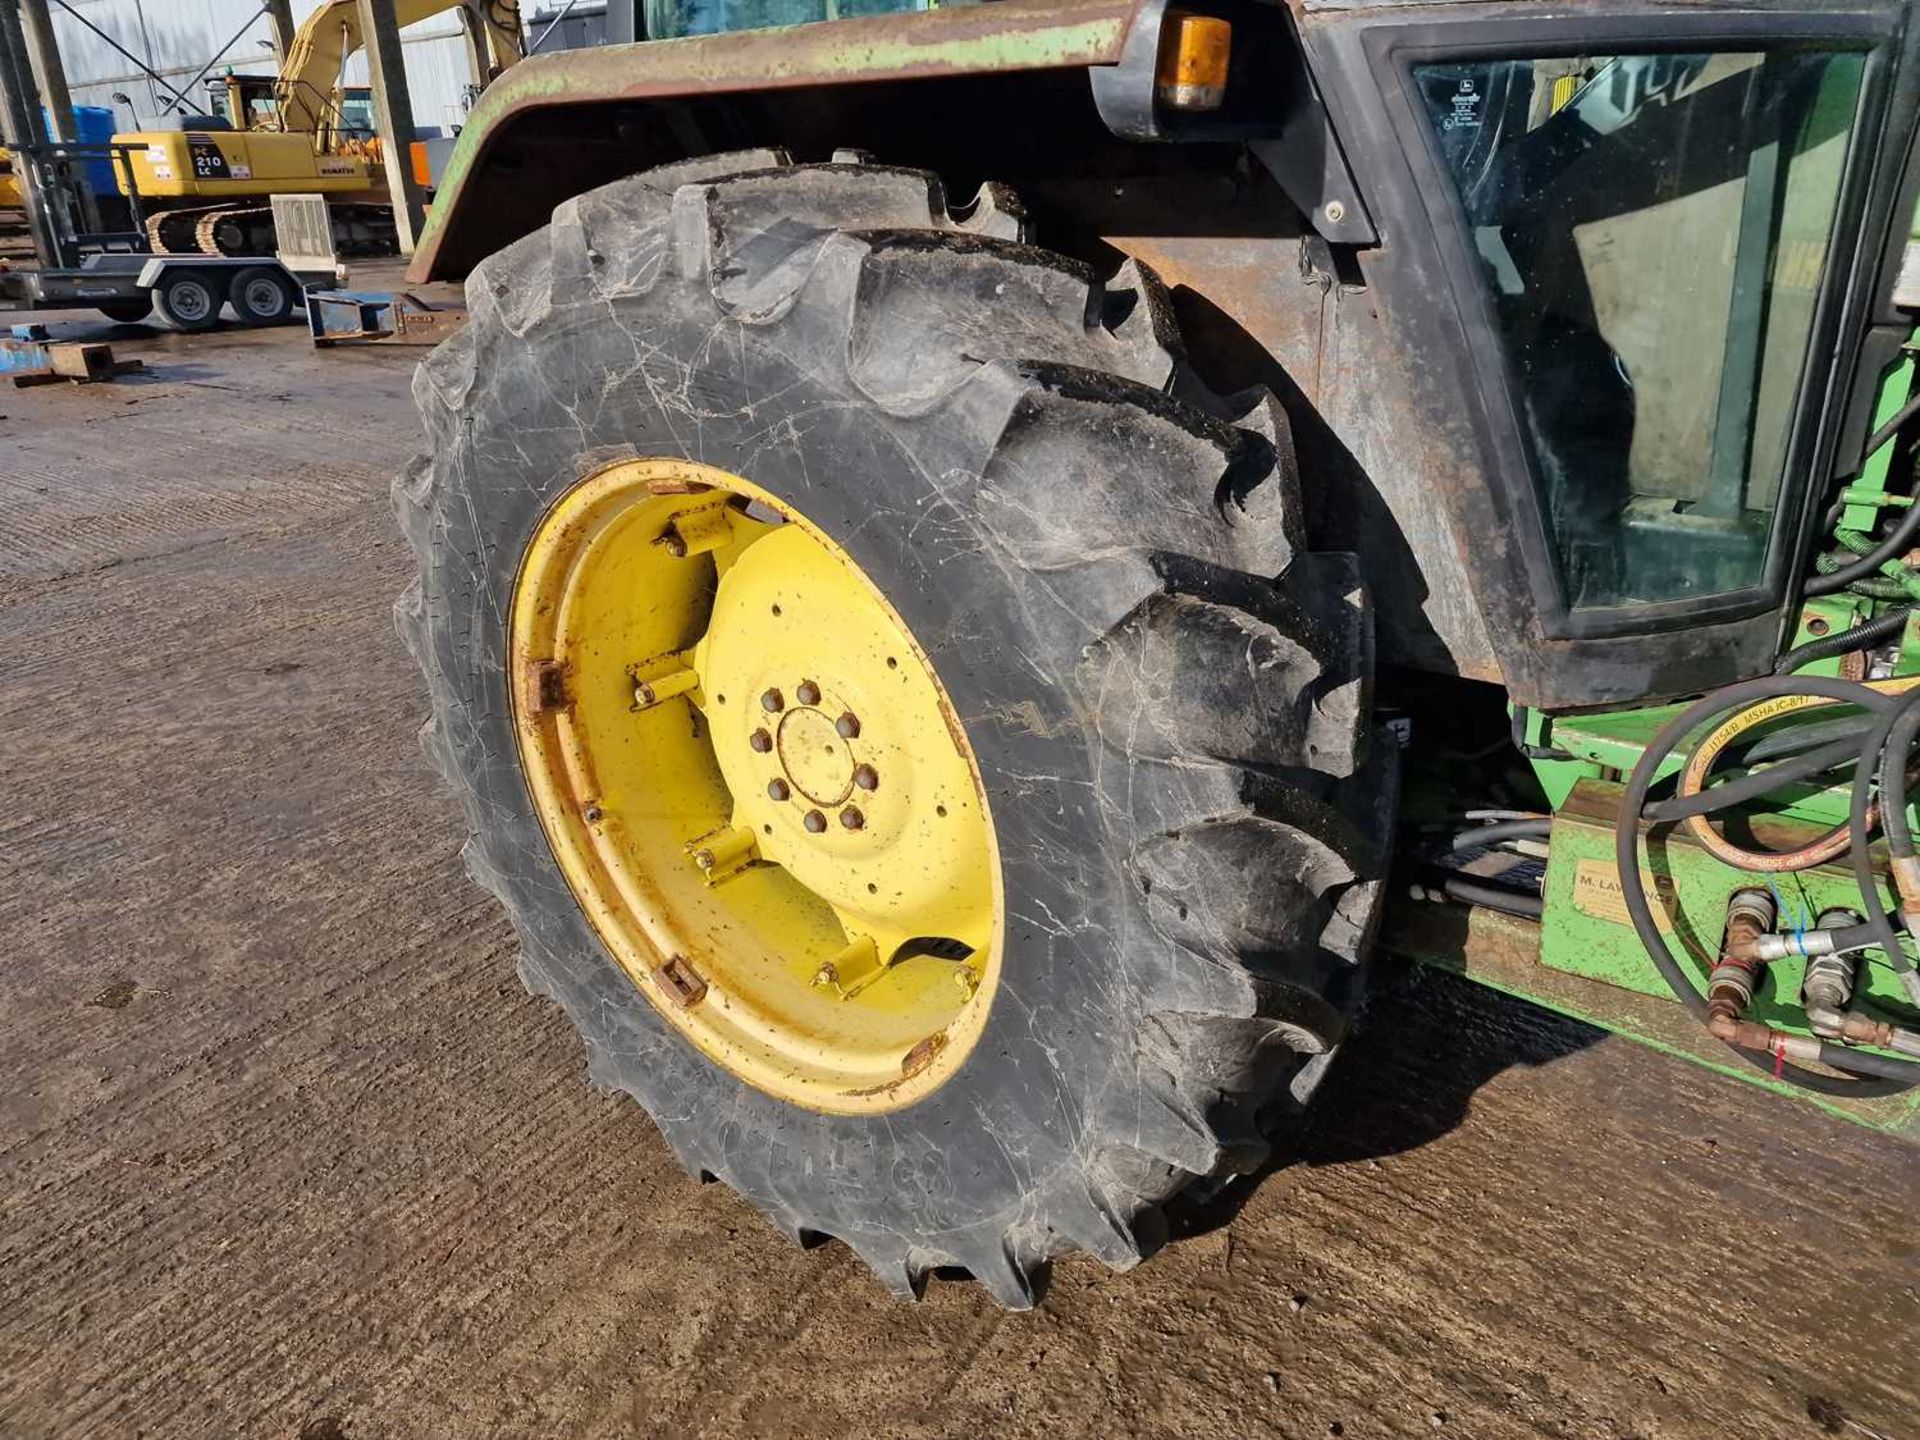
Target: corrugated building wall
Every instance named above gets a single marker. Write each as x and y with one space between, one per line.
176 38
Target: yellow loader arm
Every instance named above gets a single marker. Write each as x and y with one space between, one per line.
331 33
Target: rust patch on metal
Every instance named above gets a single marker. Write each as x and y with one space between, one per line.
1009 36
921 1055
680 980
547 684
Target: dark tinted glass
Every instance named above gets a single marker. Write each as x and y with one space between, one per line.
1652 230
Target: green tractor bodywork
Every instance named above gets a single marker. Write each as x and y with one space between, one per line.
1464 273
1599 970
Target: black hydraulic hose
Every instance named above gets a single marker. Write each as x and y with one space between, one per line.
1882 587
1903 533
1872 632
1899 540
1495 897
1887 431
1854 937
1633 891
1893 782
1882 1068
1530 751
1886 936
1758 783
1528 829
1800 738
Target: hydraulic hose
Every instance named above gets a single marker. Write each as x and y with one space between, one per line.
1883 1069
1527 829
1872 632
1801 738
1893 788
1878 587
1863 868
1876 912
1496 897
1899 540
1828 757
1693 779
1893 427
1879 1077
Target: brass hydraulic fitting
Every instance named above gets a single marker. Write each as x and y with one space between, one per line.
1750 916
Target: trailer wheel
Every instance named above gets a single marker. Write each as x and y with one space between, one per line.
896 706
127 312
263 295
188 300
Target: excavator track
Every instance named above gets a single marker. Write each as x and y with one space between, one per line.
235 230
358 229
171 232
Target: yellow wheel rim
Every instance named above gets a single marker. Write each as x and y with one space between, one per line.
755 786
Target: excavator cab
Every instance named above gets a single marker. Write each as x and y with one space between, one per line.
246 102
354 108
298 132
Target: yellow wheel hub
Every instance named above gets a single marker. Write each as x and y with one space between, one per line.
755 786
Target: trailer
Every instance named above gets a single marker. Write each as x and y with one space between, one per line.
114 270
189 291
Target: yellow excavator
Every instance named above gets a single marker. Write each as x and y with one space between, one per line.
205 185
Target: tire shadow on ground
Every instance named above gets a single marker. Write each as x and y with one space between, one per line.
1425 1043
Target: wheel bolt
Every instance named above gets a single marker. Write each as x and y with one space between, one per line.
815 822
772 703
866 777
761 741
777 789
852 818
848 725
808 693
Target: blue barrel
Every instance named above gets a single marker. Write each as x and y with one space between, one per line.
95 125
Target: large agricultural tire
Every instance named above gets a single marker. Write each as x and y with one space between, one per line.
1166 692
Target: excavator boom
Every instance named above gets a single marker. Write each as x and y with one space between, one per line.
331 34
295 145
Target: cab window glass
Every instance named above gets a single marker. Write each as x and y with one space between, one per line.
1652 231
669 19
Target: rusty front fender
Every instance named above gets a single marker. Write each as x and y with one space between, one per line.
575 98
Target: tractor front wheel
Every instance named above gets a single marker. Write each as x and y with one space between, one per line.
896 706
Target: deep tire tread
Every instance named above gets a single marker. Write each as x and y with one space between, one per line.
1256 882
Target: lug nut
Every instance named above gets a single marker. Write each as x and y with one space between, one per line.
777 789
815 822
852 818
809 693
866 777
761 742
848 726
772 703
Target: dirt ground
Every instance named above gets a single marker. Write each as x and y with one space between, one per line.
288 1153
